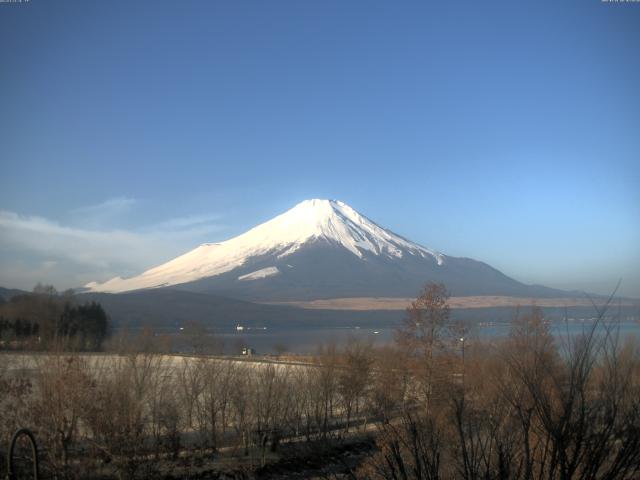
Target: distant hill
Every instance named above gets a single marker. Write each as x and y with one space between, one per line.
170 309
7 293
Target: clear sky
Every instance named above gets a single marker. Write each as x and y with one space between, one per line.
509 132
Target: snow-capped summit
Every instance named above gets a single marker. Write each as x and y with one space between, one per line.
314 220
318 249
333 221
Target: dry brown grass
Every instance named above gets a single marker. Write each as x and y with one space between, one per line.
390 303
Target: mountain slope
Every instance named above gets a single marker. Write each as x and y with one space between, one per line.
320 249
168 308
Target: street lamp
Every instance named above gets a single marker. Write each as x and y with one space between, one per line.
462 346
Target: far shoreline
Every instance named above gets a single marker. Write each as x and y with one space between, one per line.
476 301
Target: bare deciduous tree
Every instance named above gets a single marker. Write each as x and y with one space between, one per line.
423 331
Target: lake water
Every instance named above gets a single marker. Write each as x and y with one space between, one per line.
303 341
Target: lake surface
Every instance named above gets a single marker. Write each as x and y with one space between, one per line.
304 341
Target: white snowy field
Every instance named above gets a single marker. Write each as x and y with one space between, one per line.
25 362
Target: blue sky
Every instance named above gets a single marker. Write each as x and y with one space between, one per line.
505 131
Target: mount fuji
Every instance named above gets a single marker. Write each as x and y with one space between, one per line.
320 249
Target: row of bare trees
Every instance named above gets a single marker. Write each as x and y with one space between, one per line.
439 405
532 406
121 415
